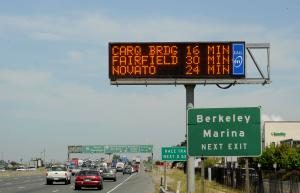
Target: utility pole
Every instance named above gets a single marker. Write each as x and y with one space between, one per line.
44 151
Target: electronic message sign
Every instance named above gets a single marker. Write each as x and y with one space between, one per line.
175 60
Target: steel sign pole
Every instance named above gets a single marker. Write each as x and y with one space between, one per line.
189 88
202 175
165 175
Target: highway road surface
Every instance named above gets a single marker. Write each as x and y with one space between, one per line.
138 182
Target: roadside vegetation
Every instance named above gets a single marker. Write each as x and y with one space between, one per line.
12 173
175 176
283 159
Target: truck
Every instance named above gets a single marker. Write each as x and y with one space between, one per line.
58 173
137 160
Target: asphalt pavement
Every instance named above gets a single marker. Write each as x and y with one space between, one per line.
138 182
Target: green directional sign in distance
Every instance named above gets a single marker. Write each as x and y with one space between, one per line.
173 153
93 149
146 148
108 149
224 132
75 149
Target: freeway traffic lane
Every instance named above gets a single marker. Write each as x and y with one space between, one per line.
138 182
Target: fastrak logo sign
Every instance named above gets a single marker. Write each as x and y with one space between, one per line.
238 56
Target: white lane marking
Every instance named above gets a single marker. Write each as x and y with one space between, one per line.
16 178
55 191
21 187
8 183
120 184
26 180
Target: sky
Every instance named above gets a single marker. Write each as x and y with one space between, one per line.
54 85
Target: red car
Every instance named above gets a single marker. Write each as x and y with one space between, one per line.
88 179
136 168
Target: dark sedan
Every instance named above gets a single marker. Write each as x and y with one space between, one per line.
127 170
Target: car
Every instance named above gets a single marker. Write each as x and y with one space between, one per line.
58 173
128 170
120 166
21 168
2 169
31 168
110 174
75 171
100 169
88 179
136 167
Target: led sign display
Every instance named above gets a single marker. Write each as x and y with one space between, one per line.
202 60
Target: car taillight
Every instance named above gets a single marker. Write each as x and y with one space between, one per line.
97 178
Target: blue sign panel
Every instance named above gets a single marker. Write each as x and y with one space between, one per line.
238 56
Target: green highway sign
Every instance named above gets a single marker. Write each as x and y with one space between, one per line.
109 149
173 153
75 149
93 149
224 132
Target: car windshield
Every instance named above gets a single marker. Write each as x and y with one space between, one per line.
88 173
106 170
58 169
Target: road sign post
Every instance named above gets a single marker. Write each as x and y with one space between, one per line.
189 90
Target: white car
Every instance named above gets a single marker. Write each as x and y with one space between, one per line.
58 173
120 166
21 168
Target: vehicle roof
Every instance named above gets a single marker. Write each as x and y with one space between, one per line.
58 166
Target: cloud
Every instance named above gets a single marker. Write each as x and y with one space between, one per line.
100 29
45 36
23 78
266 117
91 27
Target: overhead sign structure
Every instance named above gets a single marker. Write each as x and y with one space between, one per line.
173 153
110 149
224 132
176 60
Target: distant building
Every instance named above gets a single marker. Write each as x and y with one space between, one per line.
281 132
291 142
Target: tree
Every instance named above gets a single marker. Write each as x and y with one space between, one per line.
285 156
116 157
